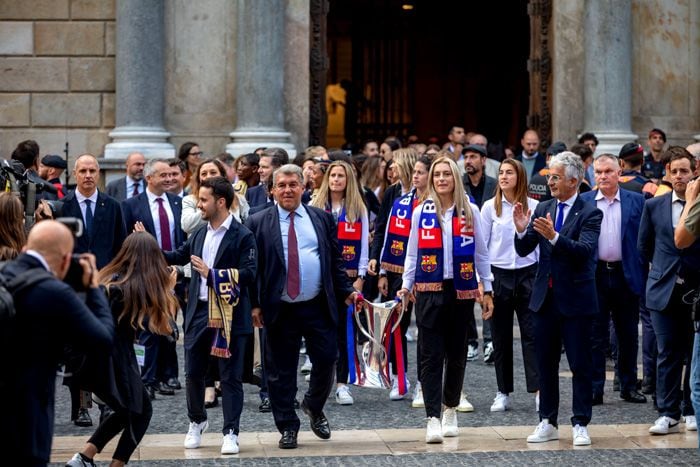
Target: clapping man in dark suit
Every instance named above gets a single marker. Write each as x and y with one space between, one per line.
672 278
619 277
564 293
224 262
132 184
158 212
300 274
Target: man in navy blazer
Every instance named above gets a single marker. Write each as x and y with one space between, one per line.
619 277
672 278
132 184
159 213
298 303
564 293
107 234
222 244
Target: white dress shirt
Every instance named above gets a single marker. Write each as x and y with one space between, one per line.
677 205
212 242
81 202
499 235
153 204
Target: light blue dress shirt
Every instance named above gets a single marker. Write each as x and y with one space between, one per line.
309 257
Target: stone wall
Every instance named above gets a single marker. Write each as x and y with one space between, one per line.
57 74
665 69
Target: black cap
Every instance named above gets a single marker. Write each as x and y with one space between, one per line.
556 148
52 160
478 148
659 132
630 149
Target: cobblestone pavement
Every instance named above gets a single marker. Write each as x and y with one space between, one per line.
374 410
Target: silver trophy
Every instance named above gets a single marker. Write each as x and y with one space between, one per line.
373 358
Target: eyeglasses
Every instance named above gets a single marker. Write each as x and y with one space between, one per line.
552 178
198 154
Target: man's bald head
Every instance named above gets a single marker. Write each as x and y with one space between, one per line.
54 242
85 157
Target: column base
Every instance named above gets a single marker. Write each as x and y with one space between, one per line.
612 142
149 141
247 141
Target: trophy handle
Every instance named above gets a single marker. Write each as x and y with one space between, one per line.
359 323
401 312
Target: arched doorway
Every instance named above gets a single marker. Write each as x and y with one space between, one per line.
419 67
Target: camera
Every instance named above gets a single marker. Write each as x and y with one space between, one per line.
26 185
74 277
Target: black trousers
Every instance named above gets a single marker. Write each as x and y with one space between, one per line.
442 335
230 371
674 337
616 301
551 329
132 426
511 293
312 321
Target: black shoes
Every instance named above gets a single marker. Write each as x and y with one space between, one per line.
288 440
164 389
151 392
83 419
597 399
174 383
265 406
319 423
633 396
648 385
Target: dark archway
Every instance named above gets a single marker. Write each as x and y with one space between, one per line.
420 71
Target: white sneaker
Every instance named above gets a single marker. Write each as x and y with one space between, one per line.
394 394
464 404
472 352
418 397
537 402
449 423
545 431
193 439
433 434
488 353
412 334
230 444
343 396
664 425
78 461
306 367
691 423
580 435
501 403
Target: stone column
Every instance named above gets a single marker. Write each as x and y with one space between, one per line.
140 81
260 78
608 73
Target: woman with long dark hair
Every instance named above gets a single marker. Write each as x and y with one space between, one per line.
446 250
12 235
140 289
513 277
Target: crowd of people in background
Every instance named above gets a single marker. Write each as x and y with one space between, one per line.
261 255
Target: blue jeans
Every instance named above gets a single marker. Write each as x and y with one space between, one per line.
695 377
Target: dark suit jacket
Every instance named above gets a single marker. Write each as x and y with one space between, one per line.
656 245
108 227
137 209
117 188
540 162
49 316
237 251
256 195
272 269
631 206
570 263
489 192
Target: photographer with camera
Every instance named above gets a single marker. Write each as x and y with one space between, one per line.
49 316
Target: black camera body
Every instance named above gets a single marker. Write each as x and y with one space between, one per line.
26 185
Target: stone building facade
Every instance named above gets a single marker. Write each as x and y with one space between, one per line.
108 75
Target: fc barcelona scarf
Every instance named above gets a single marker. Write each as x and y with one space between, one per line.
223 297
429 270
394 251
350 241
